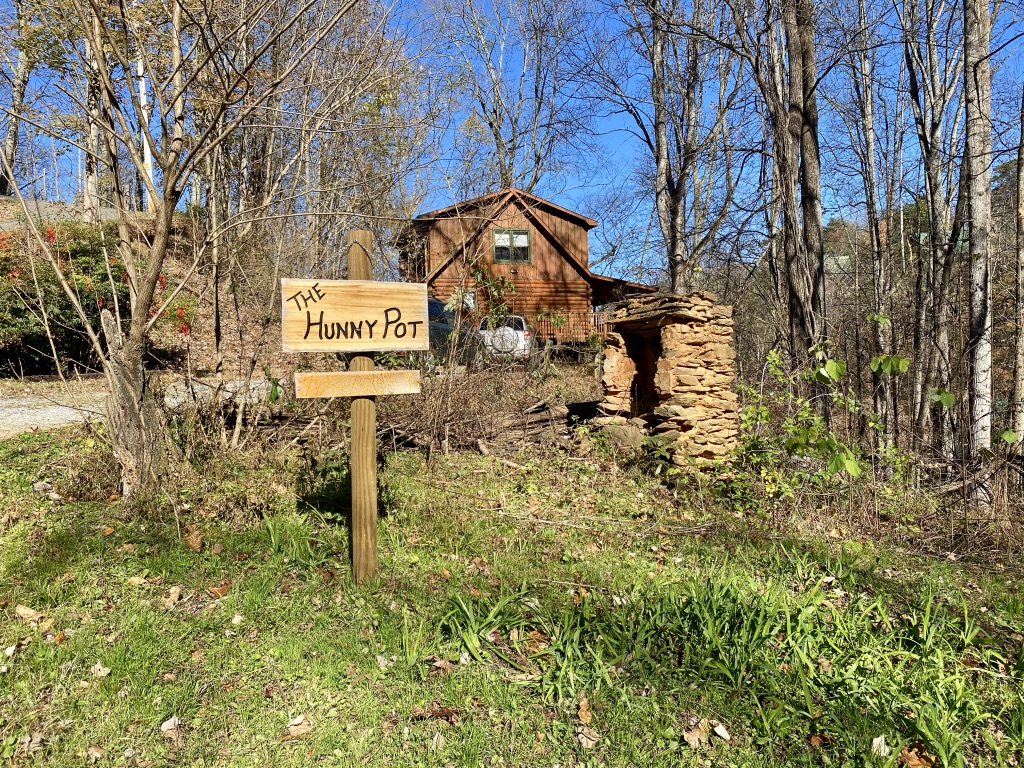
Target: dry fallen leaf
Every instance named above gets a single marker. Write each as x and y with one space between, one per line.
31 743
722 733
299 726
697 736
28 615
437 742
879 747
584 712
172 597
218 592
439 666
95 753
193 540
108 530
172 729
98 670
535 641
587 736
441 712
916 756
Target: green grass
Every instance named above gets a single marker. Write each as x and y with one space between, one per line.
565 581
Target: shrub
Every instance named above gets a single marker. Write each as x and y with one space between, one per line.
32 299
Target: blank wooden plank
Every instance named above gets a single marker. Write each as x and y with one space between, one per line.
357 384
353 316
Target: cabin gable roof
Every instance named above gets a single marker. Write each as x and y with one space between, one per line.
482 212
467 207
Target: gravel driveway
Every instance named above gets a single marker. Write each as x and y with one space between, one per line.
29 412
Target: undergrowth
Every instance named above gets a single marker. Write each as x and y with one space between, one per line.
571 612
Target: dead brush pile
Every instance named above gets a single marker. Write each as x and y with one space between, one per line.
460 409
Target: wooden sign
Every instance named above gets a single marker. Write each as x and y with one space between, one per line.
357 315
353 316
357 384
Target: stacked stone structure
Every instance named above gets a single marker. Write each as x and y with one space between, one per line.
668 372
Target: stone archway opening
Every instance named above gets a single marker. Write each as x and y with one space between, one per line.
644 349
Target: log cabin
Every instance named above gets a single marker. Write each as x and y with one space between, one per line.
514 251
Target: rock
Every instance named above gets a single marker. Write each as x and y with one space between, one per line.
605 421
183 395
627 436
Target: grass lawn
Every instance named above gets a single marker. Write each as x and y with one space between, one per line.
571 613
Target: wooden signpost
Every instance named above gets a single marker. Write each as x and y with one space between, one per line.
357 316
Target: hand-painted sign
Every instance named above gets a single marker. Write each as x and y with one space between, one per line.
353 316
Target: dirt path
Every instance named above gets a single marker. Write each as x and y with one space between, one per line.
49 409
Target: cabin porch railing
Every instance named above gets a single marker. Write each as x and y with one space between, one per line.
569 327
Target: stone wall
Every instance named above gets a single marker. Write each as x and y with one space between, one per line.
696 410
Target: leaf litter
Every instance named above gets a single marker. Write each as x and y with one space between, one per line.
299 727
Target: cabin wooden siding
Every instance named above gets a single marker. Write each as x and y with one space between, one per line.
555 291
548 283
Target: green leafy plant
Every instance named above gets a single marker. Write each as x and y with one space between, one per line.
292 536
890 365
942 397
830 372
478 626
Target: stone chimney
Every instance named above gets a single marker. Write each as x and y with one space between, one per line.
668 371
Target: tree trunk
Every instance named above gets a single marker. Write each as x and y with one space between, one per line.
91 185
810 170
864 89
978 138
665 199
1018 357
796 147
134 419
22 71
933 71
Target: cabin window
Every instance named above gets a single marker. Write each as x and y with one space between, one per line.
511 246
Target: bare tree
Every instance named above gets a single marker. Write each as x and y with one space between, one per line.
25 47
777 39
863 74
205 68
1017 397
683 96
978 188
934 65
516 83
